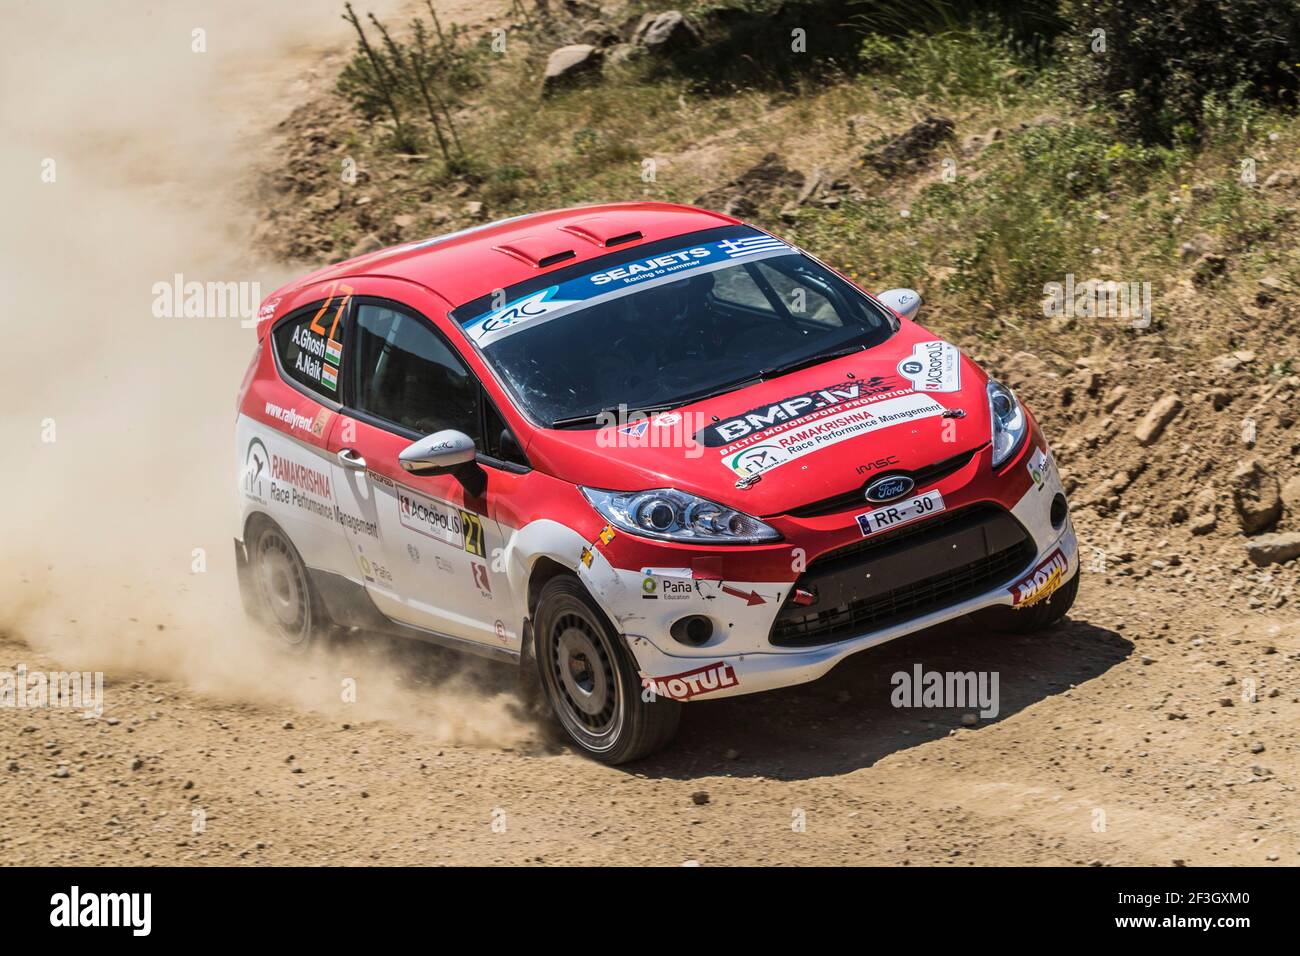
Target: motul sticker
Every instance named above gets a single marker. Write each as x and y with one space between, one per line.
933 367
688 684
1042 581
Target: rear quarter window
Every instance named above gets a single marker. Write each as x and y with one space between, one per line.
309 345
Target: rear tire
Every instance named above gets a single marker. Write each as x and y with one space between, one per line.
284 601
1037 617
590 678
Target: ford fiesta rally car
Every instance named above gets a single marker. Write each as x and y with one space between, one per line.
655 453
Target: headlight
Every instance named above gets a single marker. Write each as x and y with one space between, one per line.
671 515
1009 423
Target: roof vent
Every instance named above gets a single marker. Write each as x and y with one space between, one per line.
537 252
602 231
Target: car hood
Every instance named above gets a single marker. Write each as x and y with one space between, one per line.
810 435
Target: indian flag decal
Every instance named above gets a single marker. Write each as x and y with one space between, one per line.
329 375
334 351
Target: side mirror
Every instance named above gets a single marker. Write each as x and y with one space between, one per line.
906 302
442 451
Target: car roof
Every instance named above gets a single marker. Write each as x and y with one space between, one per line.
461 266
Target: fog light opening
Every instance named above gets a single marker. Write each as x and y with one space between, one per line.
693 630
1059 511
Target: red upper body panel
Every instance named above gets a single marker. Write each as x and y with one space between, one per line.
464 265
437 275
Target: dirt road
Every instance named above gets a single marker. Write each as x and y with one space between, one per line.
1156 726
1097 755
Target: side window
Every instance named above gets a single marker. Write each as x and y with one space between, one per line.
310 347
736 285
803 301
407 375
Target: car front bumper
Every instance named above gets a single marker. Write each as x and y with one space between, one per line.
745 656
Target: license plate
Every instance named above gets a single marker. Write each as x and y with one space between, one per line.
892 516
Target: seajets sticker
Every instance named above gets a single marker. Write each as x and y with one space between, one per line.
933 367
790 409
549 303
656 264
1041 581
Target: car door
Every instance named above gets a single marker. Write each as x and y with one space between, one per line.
426 549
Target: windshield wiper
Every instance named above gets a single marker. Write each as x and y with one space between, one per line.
809 361
591 418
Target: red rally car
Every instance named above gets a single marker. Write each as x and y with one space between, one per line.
651 451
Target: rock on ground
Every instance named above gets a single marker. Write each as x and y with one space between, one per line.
1273 548
665 34
910 149
1161 414
1256 495
570 65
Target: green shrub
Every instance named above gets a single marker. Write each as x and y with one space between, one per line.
1161 62
952 64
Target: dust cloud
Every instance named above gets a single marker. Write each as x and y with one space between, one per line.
128 158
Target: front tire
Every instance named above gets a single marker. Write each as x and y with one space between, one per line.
284 600
590 678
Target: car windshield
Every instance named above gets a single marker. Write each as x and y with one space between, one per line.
667 323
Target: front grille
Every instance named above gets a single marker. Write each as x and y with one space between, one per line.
922 478
905 574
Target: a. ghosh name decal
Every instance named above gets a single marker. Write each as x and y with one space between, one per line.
688 684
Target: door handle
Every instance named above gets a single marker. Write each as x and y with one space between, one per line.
349 458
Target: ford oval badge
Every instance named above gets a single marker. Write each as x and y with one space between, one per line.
889 488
